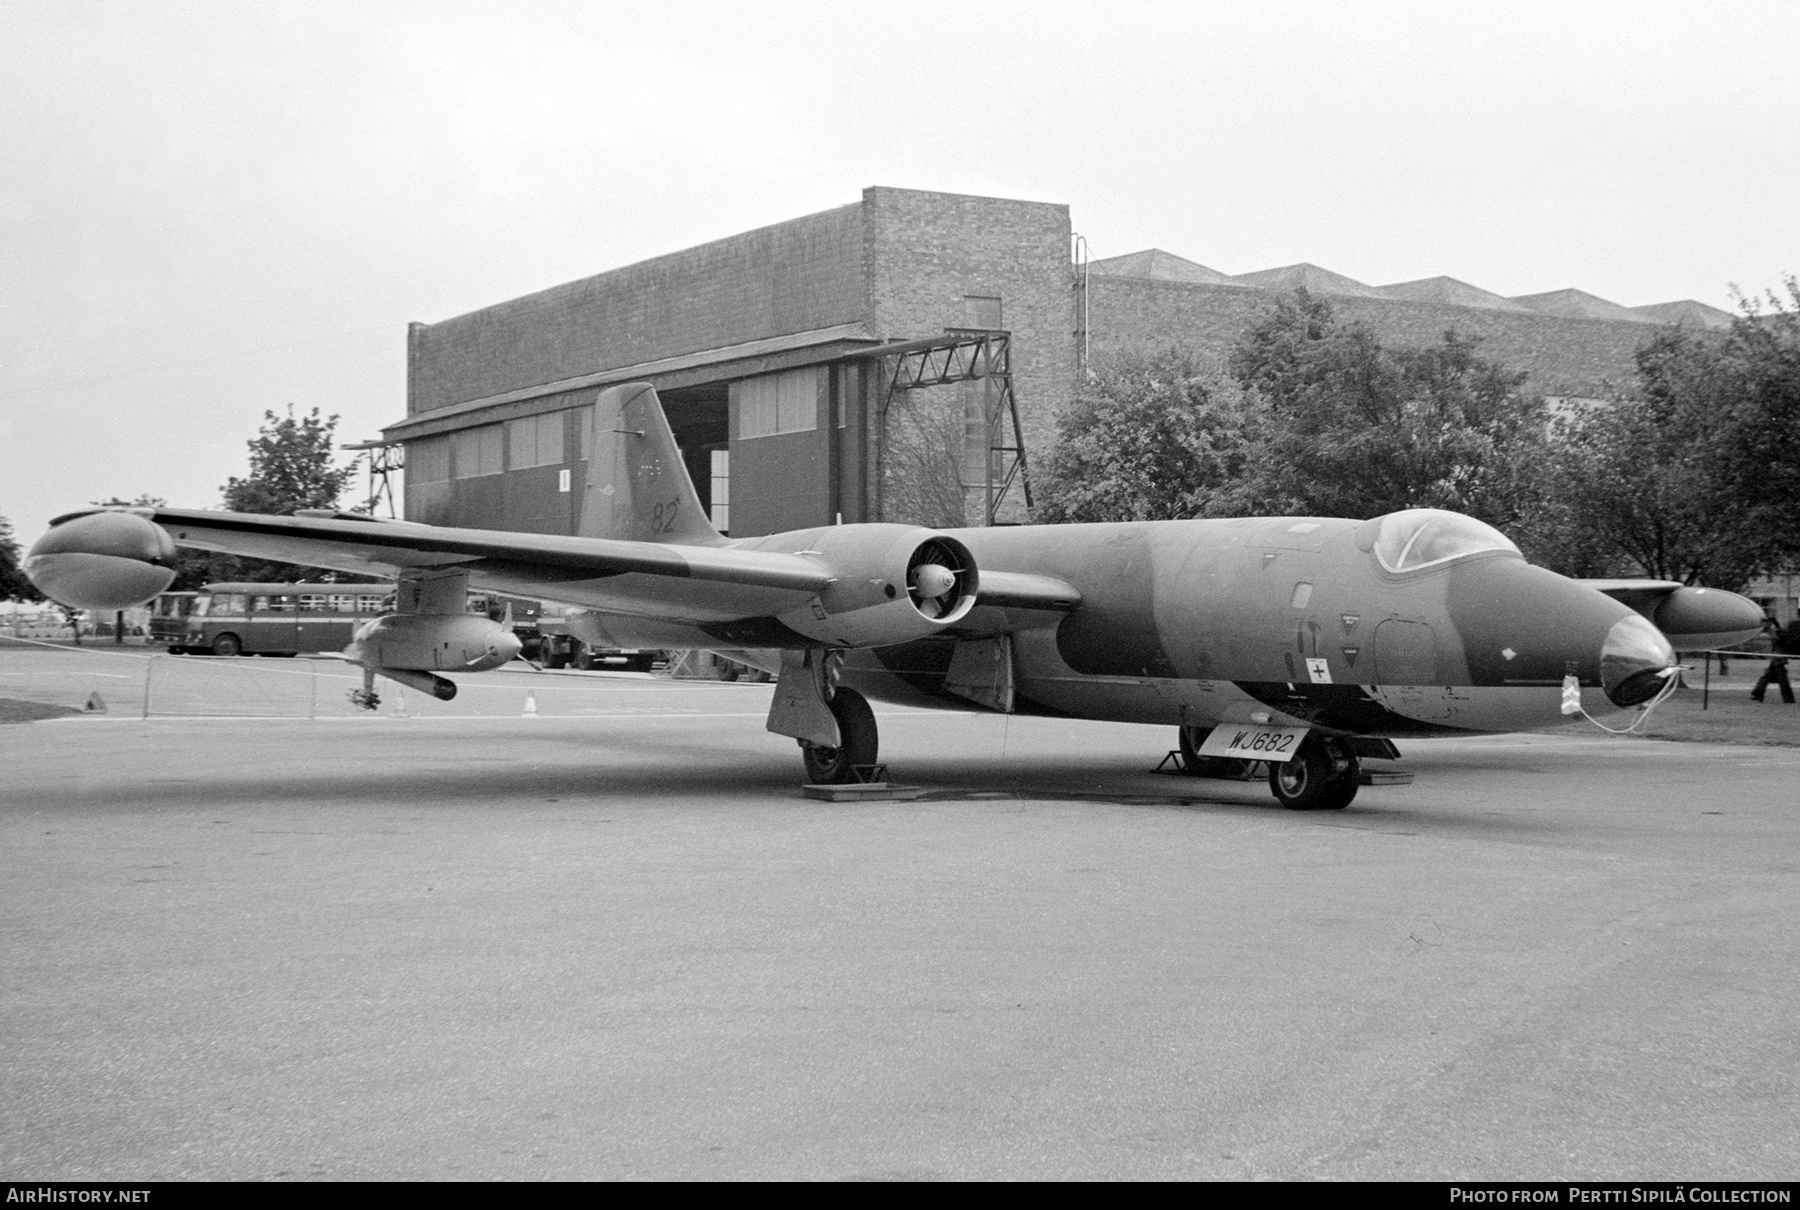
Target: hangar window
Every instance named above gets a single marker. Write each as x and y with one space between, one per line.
777 403
475 452
982 311
428 460
535 441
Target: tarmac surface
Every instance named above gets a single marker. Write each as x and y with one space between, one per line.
612 940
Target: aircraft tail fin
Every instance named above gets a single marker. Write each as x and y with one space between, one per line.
638 488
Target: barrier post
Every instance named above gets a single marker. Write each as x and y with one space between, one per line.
149 667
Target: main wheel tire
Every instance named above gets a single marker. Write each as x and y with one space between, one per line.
1189 740
1322 776
1195 765
228 644
860 742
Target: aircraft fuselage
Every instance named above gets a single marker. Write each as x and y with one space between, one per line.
1283 620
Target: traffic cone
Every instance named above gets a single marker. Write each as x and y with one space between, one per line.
530 705
95 704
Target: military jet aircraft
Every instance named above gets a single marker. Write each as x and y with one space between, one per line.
1303 642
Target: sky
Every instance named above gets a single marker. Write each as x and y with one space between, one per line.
213 210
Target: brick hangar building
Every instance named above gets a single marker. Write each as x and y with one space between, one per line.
901 358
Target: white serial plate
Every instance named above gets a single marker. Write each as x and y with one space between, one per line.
1250 742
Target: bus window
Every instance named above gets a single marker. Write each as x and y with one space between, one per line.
374 604
342 603
312 602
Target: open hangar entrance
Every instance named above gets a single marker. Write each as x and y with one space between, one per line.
924 431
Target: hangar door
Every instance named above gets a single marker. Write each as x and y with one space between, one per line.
796 449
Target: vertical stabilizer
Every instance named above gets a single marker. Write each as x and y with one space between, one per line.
637 486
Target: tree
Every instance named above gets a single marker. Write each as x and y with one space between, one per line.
1694 475
1154 434
1761 356
1354 428
13 584
292 466
1636 485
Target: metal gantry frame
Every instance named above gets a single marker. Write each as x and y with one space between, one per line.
385 457
963 355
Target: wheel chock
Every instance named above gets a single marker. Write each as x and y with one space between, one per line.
868 791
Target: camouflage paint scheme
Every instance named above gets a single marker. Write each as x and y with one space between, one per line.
1287 620
1193 623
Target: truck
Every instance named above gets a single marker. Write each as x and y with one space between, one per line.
544 631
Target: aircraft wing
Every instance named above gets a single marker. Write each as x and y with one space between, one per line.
842 589
1627 591
1694 619
700 582
1011 601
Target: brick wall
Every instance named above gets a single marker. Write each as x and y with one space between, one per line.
927 252
1563 356
793 277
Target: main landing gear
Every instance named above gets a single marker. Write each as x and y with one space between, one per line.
1323 775
859 742
832 722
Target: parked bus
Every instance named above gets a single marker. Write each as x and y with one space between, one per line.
280 619
169 619
288 619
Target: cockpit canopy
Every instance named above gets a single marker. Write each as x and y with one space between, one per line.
1425 537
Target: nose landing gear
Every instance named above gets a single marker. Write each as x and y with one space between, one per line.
1322 776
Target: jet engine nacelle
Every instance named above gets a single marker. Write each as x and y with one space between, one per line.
893 584
104 561
424 642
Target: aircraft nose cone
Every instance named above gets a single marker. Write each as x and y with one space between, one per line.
103 561
507 646
932 579
1634 661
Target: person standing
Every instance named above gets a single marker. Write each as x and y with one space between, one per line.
1783 643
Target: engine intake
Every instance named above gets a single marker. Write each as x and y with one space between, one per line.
892 584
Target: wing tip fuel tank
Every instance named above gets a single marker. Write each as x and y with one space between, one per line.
104 561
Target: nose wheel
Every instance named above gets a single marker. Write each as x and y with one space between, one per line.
1322 776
